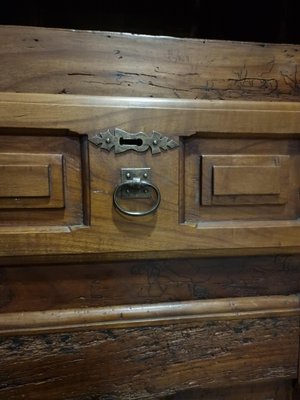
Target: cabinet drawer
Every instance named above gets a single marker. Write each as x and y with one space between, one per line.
224 175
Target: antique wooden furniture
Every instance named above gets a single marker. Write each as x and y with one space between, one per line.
149 217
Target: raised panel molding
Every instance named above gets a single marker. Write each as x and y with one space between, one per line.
244 179
148 314
31 180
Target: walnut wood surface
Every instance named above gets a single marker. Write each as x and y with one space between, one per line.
31 180
47 287
63 286
249 359
280 390
148 315
148 362
176 117
106 63
16 181
244 130
64 205
257 180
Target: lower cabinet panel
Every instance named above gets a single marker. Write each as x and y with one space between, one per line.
145 360
282 390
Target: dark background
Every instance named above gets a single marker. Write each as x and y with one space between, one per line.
259 21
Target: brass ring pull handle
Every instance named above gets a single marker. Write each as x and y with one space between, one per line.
136 186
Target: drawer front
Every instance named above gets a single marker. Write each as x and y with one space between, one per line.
205 178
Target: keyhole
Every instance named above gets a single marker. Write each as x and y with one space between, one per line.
131 142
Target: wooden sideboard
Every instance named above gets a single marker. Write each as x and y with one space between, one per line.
149 217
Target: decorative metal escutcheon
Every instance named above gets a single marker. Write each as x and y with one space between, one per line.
136 184
121 141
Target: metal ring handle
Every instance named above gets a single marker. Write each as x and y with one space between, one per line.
136 213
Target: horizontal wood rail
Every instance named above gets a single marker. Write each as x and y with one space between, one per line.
148 314
170 116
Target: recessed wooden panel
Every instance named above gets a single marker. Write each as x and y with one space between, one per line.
31 180
41 181
24 181
241 179
244 179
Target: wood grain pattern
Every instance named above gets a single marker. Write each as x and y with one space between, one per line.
24 181
89 114
63 205
148 314
243 180
27 183
280 390
67 61
240 179
160 233
141 363
156 84
203 154
63 286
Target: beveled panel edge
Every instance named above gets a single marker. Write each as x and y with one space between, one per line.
36 322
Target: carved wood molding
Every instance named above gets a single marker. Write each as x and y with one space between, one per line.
148 314
173 117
